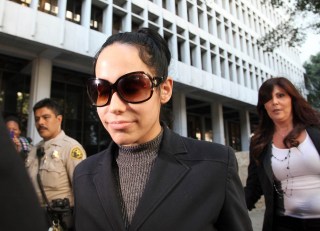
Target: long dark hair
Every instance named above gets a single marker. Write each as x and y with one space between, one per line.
303 116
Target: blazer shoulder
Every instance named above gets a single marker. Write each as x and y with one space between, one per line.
90 164
199 149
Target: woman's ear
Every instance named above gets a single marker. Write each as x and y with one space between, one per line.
166 90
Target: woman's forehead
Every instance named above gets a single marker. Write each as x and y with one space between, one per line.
117 60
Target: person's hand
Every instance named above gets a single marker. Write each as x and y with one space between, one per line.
17 143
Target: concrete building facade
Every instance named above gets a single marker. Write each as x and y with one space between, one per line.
46 50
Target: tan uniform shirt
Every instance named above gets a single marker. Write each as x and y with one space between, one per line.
62 154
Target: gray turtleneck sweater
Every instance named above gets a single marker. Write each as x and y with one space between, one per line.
134 167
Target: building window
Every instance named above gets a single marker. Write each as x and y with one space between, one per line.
15 89
193 57
181 44
201 19
222 64
214 59
73 13
164 4
219 26
116 24
22 2
190 12
178 6
48 6
96 18
210 25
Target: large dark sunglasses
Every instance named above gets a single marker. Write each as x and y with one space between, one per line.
134 87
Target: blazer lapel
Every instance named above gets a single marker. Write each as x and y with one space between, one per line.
267 164
107 190
166 173
314 135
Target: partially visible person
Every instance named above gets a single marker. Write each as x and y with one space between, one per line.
52 161
22 144
284 159
150 178
20 209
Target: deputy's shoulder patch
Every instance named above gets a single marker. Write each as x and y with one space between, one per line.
76 153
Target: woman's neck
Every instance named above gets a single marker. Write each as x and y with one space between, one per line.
283 129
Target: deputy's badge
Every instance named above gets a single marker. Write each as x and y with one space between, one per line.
76 153
55 155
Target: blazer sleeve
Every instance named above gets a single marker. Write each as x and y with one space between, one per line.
234 214
253 190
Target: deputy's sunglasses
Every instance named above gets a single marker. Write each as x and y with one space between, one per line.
134 87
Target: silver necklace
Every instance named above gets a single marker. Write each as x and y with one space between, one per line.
278 187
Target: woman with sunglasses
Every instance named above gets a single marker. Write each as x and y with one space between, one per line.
150 178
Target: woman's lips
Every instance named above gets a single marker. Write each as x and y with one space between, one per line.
119 125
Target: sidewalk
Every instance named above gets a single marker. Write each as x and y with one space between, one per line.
256 216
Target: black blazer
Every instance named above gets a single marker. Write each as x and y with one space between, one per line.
260 181
194 185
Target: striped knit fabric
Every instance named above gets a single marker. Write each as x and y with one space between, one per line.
134 167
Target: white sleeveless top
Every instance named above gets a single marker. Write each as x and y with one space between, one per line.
299 175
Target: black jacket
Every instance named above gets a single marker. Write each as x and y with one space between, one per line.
194 185
260 181
20 208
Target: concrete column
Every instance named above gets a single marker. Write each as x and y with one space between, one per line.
62 6
254 79
240 12
184 10
174 44
226 65
86 13
179 113
250 46
194 16
259 79
205 20
107 18
214 24
217 62
197 56
233 8
223 30
217 123
207 65
238 45
227 7
247 76
172 7
62 9
127 23
241 75
40 88
233 75
33 4
245 129
185 51
229 34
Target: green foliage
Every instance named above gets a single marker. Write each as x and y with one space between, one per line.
289 31
312 80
